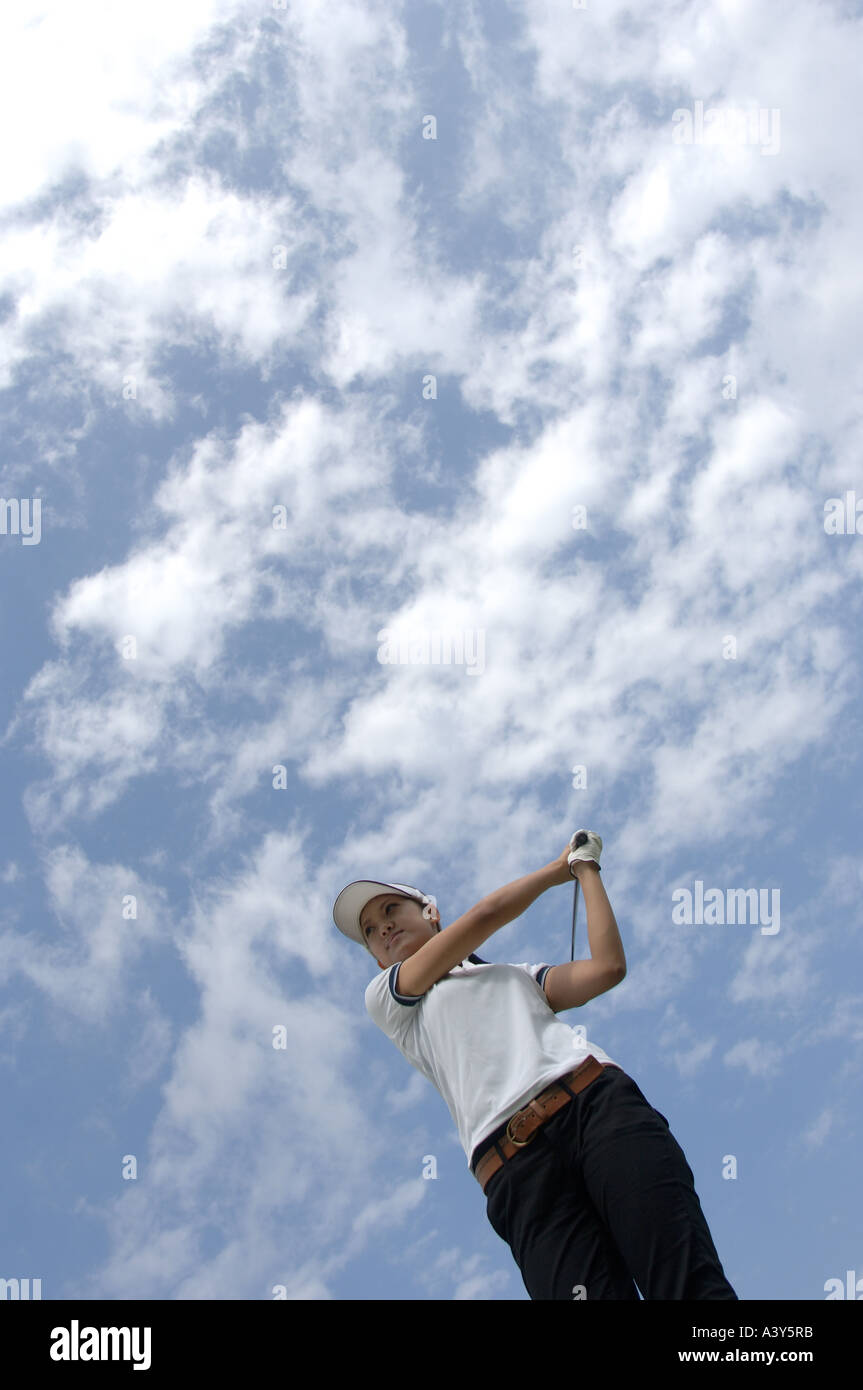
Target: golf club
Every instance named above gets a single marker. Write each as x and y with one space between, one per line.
580 839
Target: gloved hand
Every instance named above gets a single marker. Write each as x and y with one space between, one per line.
585 848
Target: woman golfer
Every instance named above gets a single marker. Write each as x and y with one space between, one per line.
582 1176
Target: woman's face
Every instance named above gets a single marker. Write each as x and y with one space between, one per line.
394 927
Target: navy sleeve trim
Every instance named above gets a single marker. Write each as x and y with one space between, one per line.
401 998
540 979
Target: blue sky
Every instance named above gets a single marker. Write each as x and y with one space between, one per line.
285 363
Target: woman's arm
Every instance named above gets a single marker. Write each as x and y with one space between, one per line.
606 947
574 983
509 902
455 943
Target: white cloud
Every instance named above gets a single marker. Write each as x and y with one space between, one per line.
821 1127
87 89
83 960
759 1057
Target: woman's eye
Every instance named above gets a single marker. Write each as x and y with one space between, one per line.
386 910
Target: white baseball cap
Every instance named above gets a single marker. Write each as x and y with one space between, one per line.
352 899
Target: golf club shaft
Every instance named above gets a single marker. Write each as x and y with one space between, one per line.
580 839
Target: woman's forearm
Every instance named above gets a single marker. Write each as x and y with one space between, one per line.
602 933
509 902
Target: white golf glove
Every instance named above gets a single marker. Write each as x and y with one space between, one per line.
591 849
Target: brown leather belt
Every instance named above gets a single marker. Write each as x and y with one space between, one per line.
522 1126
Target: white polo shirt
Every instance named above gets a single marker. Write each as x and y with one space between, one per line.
484 1035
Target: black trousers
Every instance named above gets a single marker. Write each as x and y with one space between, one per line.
602 1199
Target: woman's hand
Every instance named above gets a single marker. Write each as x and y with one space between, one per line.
578 868
564 876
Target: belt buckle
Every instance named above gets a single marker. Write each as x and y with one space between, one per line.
519 1143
